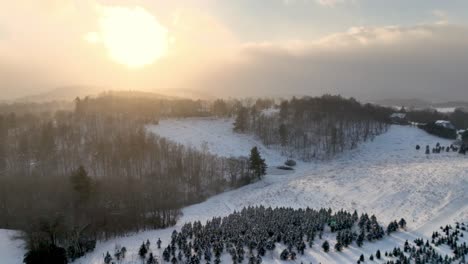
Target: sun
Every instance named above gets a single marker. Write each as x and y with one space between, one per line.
131 36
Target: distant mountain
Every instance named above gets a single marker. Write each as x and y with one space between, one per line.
66 93
412 102
69 93
137 94
420 104
461 104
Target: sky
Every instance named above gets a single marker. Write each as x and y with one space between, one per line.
369 49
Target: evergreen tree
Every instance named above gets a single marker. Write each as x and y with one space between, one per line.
143 250
151 259
159 243
284 254
284 110
402 223
256 164
46 254
81 183
240 124
360 239
283 133
338 246
147 244
166 254
123 251
270 245
326 246
377 254
107 258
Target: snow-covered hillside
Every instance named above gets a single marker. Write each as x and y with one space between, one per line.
11 249
386 177
215 136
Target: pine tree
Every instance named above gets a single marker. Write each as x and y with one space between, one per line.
159 243
147 244
166 254
338 246
361 258
284 110
284 254
82 184
326 246
360 239
256 164
377 254
283 133
240 124
123 251
143 250
151 259
402 223
107 258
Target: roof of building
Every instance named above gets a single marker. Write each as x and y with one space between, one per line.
398 115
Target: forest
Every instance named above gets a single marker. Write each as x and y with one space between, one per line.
68 178
252 235
459 117
313 127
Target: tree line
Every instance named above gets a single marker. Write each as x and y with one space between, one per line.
72 177
253 233
312 127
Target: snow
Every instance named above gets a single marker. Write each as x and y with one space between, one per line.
270 111
446 109
215 136
387 177
11 250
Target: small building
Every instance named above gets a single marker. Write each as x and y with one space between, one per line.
398 118
445 124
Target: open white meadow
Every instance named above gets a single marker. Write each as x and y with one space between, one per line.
387 177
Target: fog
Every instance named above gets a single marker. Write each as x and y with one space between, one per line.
427 61
43 47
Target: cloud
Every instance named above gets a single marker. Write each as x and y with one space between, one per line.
441 16
424 61
324 3
330 3
59 43
427 61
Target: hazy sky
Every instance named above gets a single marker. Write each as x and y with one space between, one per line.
364 48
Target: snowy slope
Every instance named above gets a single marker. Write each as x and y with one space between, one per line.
213 135
11 250
386 177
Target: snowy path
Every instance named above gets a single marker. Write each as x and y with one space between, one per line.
386 177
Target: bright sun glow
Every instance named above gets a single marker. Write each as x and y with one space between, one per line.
132 36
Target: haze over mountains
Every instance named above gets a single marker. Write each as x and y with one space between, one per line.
69 93
427 62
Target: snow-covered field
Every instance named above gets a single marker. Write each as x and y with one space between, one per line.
446 109
11 250
386 177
